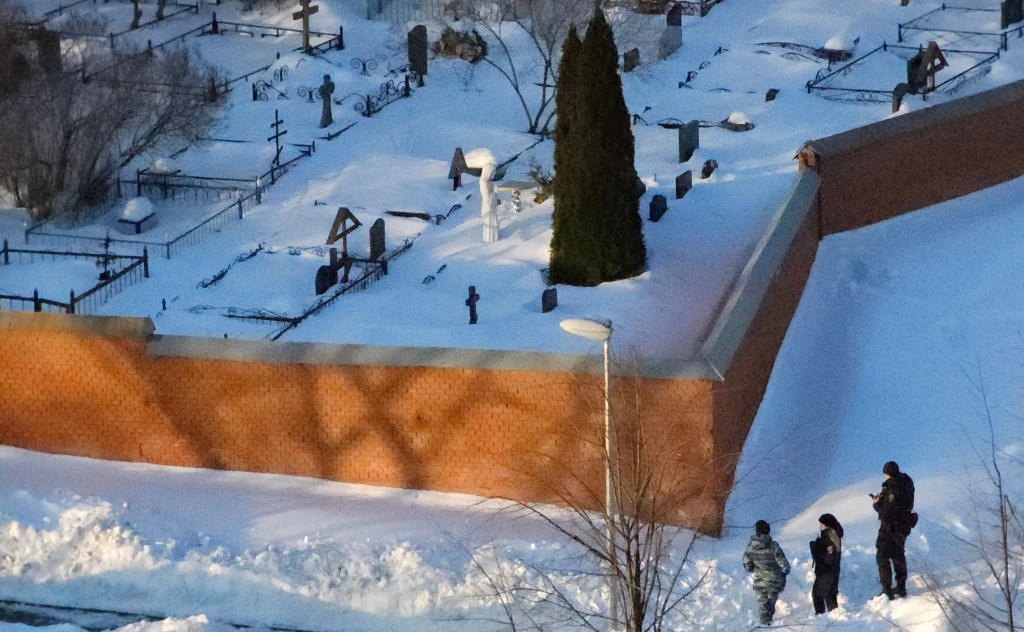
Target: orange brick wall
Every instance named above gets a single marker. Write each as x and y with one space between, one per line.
65 388
84 386
916 160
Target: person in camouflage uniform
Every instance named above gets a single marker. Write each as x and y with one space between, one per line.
765 559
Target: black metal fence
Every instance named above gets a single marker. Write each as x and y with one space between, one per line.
999 39
244 199
176 8
112 281
371 273
822 80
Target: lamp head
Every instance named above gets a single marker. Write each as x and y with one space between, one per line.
587 328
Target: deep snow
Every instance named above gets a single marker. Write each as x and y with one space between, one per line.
898 323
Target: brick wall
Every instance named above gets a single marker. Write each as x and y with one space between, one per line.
87 386
95 386
908 162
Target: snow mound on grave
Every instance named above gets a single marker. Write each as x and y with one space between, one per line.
836 42
480 157
738 118
163 165
137 209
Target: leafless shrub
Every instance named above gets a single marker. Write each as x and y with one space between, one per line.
634 544
69 131
545 24
983 593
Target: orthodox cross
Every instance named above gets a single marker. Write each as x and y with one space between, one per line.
303 14
340 228
471 303
276 137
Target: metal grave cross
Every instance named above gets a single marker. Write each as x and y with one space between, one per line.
303 14
276 137
340 228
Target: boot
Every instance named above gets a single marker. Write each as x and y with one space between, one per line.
888 592
901 589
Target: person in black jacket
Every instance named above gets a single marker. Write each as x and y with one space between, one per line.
894 505
827 553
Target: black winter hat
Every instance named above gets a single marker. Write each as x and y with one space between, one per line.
831 522
762 528
891 468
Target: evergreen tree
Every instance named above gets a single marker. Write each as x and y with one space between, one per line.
567 213
598 230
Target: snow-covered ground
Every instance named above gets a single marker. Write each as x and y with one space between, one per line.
899 325
398 161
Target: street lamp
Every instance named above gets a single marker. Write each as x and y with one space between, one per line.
602 332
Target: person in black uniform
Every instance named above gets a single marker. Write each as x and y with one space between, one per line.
894 505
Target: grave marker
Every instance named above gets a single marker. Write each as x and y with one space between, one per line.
921 68
303 14
771 94
276 137
377 244
548 300
689 140
471 304
708 169
658 208
1012 11
630 59
340 228
672 37
457 168
684 182
674 17
417 41
325 91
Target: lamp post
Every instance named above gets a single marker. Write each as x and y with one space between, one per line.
602 332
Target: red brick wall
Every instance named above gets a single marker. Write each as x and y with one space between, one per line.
883 170
86 386
68 387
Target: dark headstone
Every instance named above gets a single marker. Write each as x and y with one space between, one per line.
457 168
658 208
1012 12
418 49
674 17
48 49
326 276
377 245
641 188
771 94
471 303
708 169
898 93
548 300
325 91
684 182
630 59
689 140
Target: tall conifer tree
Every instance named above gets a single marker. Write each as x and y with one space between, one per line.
598 231
567 213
